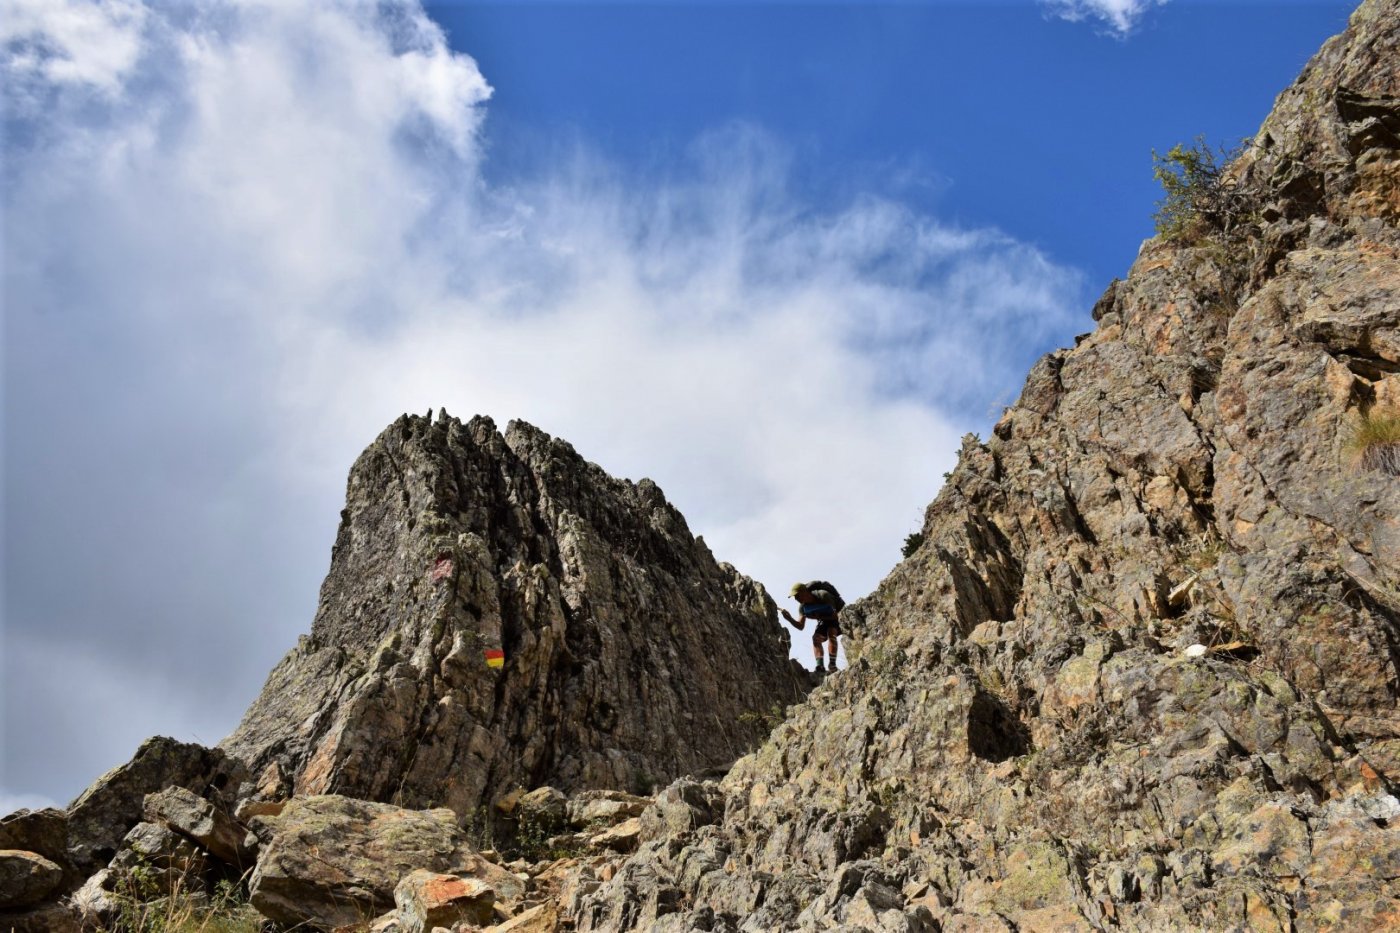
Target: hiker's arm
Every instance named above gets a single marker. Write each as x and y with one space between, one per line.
796 623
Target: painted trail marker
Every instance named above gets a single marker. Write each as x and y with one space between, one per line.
442 568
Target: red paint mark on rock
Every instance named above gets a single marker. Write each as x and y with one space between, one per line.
440 891
442 568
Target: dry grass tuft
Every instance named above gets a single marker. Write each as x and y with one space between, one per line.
1375 443
181 907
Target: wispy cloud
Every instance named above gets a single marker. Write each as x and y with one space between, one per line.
1118 17
243 237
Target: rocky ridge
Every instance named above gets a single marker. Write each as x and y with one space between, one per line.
499 614
1143 671
631 656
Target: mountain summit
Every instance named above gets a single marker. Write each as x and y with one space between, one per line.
627 655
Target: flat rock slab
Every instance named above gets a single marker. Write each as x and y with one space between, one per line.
621 838
26 878
543 918
333 861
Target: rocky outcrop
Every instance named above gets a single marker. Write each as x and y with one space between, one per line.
1143 671
629 655
85 836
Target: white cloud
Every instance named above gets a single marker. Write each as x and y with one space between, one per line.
271 235
1118 16
71 41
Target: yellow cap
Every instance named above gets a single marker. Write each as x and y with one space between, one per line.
796 588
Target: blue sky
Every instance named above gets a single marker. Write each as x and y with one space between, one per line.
993 113
242 236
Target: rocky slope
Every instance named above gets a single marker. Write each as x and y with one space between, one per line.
1026 738
630 656
627 657
1142 674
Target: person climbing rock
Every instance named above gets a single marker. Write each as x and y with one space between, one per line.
819 602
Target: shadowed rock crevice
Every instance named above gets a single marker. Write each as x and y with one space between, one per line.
993 731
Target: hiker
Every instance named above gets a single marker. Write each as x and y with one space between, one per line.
819 602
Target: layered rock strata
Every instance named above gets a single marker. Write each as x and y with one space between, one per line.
1143 672
629 655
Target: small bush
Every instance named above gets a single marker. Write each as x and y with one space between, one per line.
182 905
642 784
1200 198
912 543
480 830
1376 443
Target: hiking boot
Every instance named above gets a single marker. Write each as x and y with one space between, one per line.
819 669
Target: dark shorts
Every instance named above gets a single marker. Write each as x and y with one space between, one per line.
825 629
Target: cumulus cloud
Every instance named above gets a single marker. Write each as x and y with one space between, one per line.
1119 17
241 237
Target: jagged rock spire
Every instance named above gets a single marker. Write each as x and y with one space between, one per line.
630 656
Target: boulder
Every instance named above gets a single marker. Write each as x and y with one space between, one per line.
428 899
161 857
44 832
591 809
196 818
95 903
331 861
48 918
621 838
107 810
680 808
26 878
541 811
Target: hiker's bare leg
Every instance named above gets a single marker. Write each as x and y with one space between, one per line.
817 647
831 649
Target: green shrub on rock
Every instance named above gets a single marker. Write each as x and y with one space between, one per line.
1200 196
912 543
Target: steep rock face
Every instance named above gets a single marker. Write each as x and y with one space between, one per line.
1022 740
630 655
